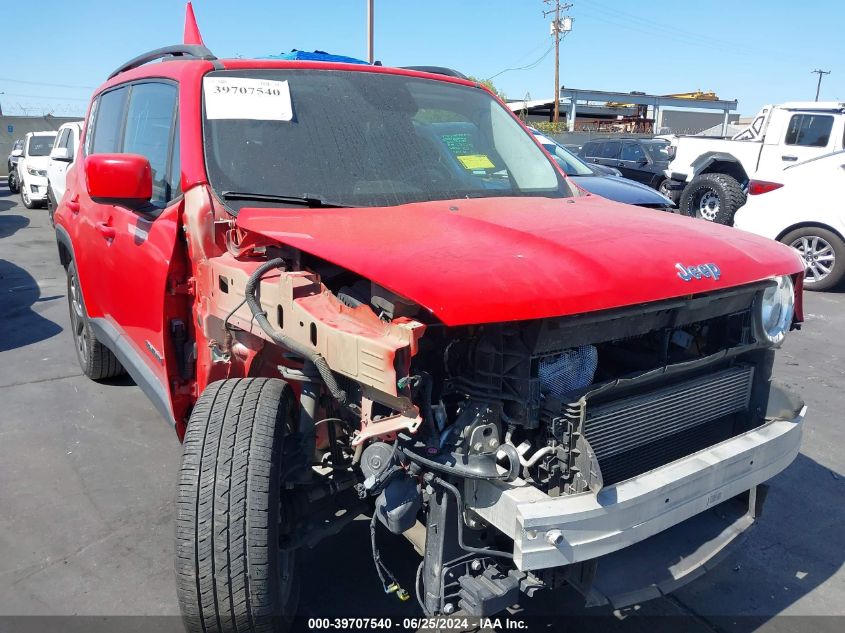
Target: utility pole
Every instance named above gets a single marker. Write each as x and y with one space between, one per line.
371 56
558 27
820 73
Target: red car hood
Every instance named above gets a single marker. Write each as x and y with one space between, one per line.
503 259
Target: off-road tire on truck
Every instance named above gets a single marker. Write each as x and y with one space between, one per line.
819 246
712 197
97 360
230 573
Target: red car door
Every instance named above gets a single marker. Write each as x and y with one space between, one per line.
84 222
136 249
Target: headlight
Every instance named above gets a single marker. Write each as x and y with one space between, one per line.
36 172
776 309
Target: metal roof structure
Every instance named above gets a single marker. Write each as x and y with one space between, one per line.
658 102
574 98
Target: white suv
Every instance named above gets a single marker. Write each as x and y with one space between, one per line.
62 158
800 206
32 167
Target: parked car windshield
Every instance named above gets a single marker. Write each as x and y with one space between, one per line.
41 145
364 139
658 150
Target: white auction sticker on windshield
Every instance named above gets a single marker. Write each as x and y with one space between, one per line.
247 98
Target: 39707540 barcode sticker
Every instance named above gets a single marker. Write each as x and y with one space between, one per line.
247 98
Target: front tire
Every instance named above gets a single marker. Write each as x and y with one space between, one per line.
12 181
823 253
28 202
96 360
231 574
51 205
713 197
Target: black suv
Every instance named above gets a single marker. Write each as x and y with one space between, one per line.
640 159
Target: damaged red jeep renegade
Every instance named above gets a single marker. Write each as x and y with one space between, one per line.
361 290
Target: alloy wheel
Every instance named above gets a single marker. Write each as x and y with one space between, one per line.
77 318
819 257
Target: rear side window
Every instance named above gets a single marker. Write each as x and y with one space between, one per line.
149 131
70 144
110 110
809 130
592 150
632 152
63 137
611 149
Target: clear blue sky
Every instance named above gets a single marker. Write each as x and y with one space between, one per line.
755 51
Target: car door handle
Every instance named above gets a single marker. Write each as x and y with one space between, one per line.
789 158
106 230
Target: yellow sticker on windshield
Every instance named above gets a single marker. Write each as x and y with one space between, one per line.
476 161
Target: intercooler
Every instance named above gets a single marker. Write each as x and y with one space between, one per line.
638 433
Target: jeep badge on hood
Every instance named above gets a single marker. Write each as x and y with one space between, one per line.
697 272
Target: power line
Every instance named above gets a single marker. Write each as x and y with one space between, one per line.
685 37
661 29
533 64
15 94
49 85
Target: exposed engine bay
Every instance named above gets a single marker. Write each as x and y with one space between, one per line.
401 413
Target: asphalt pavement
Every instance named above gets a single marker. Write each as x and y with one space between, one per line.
88 474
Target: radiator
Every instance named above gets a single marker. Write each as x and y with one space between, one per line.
635 434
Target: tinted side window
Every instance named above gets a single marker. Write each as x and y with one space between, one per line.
632 151
592 150
149 130
70 144
107 129
611 149
61 140
809 130
88 141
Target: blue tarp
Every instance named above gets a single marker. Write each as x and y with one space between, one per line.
316 56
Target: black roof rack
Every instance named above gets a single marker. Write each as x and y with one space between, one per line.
438 70
179 51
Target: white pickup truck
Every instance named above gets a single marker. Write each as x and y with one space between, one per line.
712 174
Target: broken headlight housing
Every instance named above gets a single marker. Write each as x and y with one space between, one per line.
777 306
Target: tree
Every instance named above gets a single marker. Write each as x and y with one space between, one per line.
489 85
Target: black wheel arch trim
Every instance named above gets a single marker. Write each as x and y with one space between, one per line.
63 239
143 376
